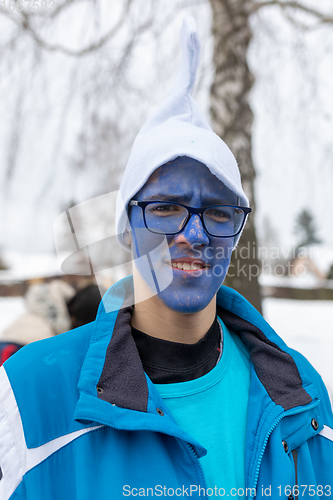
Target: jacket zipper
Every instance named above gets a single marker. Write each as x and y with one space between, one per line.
196 459
295 454
286 414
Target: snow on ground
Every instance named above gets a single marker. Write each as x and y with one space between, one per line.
23 266
306 281
306 326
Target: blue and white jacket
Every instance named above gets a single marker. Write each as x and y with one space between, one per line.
79 418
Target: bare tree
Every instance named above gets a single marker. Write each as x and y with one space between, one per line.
36 32
232 114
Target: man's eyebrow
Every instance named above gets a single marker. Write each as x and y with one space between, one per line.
185 199
169 197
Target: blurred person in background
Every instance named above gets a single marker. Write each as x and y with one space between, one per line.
180 388
51 308
46 315
83 306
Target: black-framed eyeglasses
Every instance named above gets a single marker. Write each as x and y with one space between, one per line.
169 218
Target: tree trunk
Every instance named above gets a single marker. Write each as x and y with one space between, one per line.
232 121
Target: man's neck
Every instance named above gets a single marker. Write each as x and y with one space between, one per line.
154 318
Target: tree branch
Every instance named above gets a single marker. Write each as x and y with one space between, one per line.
324 19
57 10
26 26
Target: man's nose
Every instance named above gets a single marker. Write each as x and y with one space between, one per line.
193 233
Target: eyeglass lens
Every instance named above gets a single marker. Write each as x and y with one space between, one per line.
166 218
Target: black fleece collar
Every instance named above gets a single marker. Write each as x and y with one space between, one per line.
276 369
123 381
168 362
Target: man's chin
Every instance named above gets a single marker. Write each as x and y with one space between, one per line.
190 304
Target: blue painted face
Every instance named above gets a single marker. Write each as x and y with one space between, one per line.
191 290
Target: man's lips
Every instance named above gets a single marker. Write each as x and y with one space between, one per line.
187 264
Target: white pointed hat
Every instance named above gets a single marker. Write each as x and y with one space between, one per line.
177 128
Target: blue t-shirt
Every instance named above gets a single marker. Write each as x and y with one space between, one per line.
213 409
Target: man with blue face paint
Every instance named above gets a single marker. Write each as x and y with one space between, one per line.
199 260
179 388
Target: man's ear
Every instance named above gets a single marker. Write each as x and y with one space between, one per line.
127 235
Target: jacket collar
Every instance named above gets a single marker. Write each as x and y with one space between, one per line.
112 372
271 358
